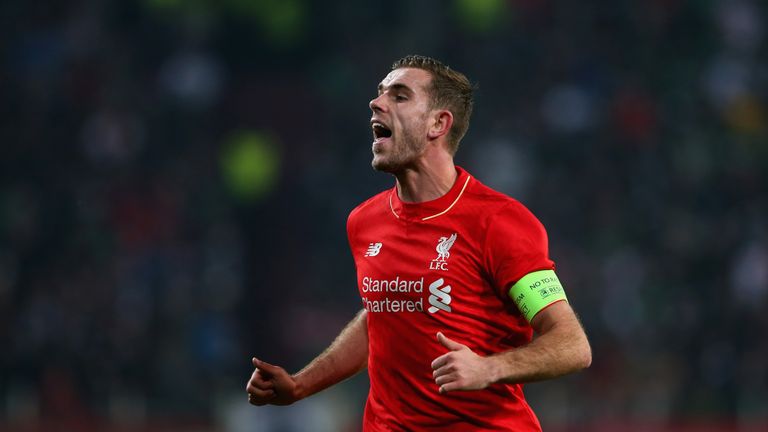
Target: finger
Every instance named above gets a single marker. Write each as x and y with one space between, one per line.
265 385
440 361
261 381
261 394
445 379
259 401
443 370
448 343
453 386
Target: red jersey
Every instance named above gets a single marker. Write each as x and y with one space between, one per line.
443 265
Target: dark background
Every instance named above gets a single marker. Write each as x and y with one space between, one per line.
175 178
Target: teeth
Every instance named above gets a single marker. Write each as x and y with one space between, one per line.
380 131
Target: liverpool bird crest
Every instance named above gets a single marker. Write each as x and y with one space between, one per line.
443 248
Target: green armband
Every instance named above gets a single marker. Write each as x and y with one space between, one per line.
535 291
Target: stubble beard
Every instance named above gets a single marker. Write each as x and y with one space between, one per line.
401 156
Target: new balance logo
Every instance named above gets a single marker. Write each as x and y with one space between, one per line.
440 296
373 249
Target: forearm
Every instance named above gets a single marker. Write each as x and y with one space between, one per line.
561 350
346 356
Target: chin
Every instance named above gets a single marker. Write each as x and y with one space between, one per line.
379 165
383 165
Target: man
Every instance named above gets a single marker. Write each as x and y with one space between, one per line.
454 277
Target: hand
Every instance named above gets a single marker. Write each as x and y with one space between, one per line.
271 384
460 368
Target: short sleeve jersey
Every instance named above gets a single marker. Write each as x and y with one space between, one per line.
444 265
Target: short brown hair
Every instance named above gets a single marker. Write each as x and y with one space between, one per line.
448 89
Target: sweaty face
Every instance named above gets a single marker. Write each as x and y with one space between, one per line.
399 121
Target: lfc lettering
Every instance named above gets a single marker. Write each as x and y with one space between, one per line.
438 265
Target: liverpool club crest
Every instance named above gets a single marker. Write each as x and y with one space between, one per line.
443 253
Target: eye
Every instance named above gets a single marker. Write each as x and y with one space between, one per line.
400 98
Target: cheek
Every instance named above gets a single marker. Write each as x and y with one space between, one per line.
409 125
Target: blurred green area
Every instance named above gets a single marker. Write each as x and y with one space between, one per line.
250 164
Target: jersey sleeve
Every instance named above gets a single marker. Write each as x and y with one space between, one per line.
515 245
352 231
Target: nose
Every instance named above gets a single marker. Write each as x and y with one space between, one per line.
376 104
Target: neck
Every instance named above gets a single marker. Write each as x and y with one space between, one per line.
426 181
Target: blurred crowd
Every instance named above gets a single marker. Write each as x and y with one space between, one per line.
175 178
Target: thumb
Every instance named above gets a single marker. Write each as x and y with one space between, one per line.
451 345
264 366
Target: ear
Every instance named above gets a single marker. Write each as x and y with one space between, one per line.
442 121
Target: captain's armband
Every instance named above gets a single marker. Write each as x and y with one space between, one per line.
535 291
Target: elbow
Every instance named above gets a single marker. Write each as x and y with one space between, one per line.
585 357
582 350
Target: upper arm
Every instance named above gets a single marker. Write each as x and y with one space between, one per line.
515 245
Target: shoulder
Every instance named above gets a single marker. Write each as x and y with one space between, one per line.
374 207
496 205
373 204
503 222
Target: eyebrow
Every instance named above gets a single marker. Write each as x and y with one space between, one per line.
396 87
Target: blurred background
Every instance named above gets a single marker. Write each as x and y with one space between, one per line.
175 177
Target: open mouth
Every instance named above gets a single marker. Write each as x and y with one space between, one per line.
380 131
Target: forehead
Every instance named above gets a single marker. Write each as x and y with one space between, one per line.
413 78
